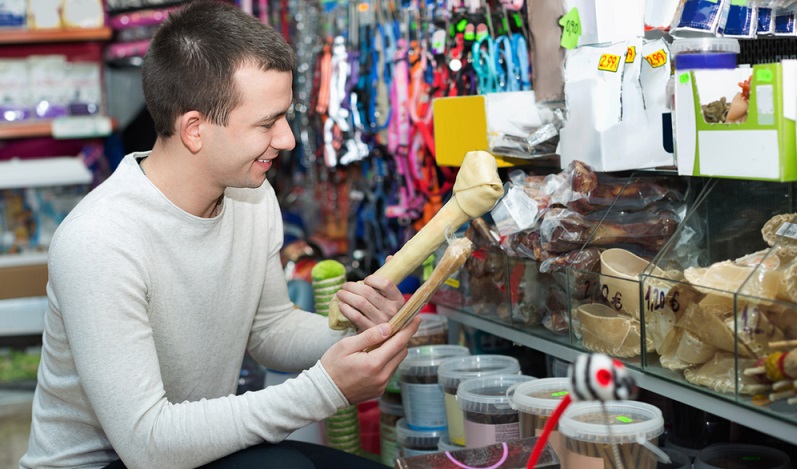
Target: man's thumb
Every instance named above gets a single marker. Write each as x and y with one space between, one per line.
373 337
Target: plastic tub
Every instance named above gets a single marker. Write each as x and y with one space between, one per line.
389 415
678 460
414 442
733 456
589 440
444 444
422 397
488 416
535 401
704 53
432 331
452 371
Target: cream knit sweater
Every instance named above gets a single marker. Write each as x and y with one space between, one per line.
150 312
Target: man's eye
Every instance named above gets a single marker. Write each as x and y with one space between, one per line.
267 126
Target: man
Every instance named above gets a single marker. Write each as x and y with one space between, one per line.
163 276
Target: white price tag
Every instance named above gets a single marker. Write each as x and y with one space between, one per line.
789 230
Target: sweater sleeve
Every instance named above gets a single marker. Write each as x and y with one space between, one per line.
285 338
99 281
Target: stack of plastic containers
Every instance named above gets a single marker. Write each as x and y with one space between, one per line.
453 371
422 397
535 401
597 433
488 416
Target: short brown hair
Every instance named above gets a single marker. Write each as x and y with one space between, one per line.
194 55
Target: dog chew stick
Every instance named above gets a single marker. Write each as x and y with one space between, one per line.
457 252
476 190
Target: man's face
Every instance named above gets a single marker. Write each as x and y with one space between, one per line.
240 153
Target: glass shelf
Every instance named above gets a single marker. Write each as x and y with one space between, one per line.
767 422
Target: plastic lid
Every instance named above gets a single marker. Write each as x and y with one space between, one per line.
454 370
585 421
678 460
721 455
415 438
702 45
424 360
488 394
390 408
539 397
444 444
431 324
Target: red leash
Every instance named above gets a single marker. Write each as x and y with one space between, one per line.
553 420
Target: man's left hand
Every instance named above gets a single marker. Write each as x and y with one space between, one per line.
371 302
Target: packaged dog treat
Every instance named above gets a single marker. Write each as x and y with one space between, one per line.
699 17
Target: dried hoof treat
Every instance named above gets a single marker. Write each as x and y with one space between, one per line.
621 270
718 374
691 349
604 330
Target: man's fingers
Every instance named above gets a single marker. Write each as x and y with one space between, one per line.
368 338
360 322
387 290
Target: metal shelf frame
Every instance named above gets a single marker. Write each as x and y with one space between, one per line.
706 400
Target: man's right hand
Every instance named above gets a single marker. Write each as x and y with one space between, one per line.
359 375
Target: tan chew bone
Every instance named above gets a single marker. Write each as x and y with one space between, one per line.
456 254
476 190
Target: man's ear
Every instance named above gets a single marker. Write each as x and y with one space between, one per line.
190 127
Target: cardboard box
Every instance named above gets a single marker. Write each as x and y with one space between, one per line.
464 123
23 281
760 148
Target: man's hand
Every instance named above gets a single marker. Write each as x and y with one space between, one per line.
359 375
371 302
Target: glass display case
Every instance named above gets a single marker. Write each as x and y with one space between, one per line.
720 303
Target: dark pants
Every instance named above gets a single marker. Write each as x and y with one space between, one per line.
286 455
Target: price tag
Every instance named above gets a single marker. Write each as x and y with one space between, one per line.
452 282
630 56
655 298
624 419
788 230
740 3
571 29
657 59
609 62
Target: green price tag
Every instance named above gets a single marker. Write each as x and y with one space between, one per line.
571 29
764 75
559 394
624 419
739 3
713 1
684 78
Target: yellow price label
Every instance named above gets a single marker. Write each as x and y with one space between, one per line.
452 282
363 7
609 62
630 56
657 59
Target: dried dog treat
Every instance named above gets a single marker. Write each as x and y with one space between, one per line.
719 372
605 330
770 233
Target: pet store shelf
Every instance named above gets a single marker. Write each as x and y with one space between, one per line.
28 36
699 398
